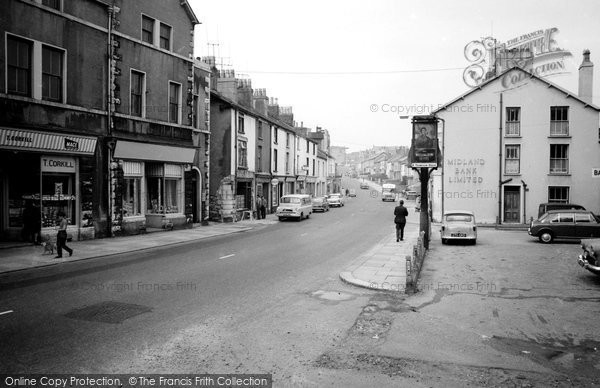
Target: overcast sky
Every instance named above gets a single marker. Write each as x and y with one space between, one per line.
335 62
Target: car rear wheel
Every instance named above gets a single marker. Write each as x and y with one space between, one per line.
546 237
281 218
444 241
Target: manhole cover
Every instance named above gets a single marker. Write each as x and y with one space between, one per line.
332 295
108 312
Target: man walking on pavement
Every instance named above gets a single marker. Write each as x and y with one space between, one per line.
258 206
400 213
263 207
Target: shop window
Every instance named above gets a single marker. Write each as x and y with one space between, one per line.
58 195
20 190
164 188
132 197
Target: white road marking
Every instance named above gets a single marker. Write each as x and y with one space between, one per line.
303 234
6 312
224 257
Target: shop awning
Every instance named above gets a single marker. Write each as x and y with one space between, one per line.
155 152
20 139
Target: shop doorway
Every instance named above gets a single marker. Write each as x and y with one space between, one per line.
512 204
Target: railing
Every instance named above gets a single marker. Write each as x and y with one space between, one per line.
414 264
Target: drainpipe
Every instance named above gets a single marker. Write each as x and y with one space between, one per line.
524 201
499 219
109 123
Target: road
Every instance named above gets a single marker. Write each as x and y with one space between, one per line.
267 301
508 311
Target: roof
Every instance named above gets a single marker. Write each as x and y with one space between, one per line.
190 11
531 75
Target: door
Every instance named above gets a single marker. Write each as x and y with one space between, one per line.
586 226
512 204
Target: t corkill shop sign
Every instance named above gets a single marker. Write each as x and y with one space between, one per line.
536 52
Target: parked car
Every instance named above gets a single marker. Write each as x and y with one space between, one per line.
459 225
565 224
545 207
335 199
364 186
352 193
320 204
590 258
296 206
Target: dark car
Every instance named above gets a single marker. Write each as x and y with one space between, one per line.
320 204
565 224
545 207
590 258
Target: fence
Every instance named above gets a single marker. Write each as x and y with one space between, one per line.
414 263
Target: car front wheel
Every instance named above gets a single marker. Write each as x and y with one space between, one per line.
546 237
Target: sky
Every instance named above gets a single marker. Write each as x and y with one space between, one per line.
356 67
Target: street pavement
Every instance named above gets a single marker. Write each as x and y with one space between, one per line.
15 258
384 266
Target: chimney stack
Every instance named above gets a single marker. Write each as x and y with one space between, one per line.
261 101
586 77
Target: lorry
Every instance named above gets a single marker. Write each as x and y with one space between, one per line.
388 192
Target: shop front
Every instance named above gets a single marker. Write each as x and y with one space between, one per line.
263 184
41 176
150 186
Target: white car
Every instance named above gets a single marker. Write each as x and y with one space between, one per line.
459 225
336 199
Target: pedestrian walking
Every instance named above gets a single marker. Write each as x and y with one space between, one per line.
263 207
61 237
258 206
400 213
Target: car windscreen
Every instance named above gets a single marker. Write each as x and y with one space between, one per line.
459 218
290 200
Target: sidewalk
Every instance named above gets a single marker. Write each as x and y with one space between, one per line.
31 256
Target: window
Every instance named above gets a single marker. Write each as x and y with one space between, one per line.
559 121
259 130
242 154
307 146
165 36
52 70
512 159
287 162
307 165
313 167
314 148
559 158
275 160
164 193
275 135
259 159
131 197
240 123
18 66
174 98
298 143
287 140
583 217
513 121
137 93
147 29
52 4
558 194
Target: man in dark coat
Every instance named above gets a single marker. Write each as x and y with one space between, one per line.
400 214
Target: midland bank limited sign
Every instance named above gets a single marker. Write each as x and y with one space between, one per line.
536 52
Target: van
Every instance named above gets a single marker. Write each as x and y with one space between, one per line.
296 206
388 192
545 207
